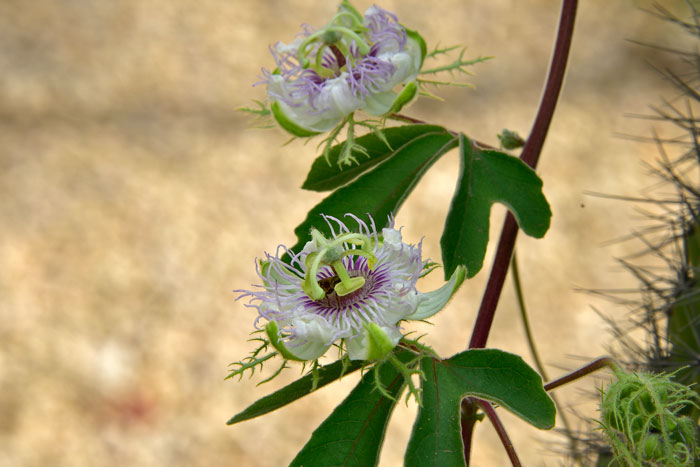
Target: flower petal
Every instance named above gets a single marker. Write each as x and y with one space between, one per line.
373 343
287 122
337 95
311 334
379 103
436 300
405 305
405 68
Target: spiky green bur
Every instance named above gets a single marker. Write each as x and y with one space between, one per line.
640 416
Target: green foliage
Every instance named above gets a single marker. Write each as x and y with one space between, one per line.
348 148
488 374
487 177
251 362
407 371
262 115
372 175
442 50
640 416
353 434
296 390
458 65
329 175
381 191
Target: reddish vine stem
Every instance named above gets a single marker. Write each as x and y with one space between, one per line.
530 155
595 365
500 429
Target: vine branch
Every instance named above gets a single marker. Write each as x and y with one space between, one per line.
530 155
595 365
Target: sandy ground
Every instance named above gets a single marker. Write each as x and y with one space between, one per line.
134 198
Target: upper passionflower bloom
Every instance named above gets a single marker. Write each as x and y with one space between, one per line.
353 287
354 63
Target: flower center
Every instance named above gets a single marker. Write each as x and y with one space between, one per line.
329 252
343 32
337 301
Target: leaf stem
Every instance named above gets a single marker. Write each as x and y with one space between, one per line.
467 422
530 155
500 429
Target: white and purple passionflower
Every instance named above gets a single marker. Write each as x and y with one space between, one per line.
353 287
354 63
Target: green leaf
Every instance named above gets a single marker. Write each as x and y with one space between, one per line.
488 177
326 175
488 374
296 390
353 434
379 192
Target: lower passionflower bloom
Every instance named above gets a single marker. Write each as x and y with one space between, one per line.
353 63
353 287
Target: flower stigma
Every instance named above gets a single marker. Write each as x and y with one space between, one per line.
330 255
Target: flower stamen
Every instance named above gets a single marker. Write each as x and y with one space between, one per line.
328 253
347 284
355 18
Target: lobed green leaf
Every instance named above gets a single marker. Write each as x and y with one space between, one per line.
488 177
488 374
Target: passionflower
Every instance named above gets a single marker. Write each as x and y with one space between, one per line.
353 63
352 288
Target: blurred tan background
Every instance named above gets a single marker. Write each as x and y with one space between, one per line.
134 198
